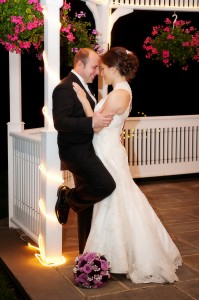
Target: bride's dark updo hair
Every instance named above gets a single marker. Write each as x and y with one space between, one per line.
125 61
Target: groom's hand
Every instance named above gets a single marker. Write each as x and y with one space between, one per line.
101 119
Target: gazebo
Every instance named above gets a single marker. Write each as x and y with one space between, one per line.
33 162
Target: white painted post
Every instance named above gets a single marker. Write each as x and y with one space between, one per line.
104 21
15 124
51 230
101 13
51 52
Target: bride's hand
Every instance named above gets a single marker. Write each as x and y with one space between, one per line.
80 92
82 98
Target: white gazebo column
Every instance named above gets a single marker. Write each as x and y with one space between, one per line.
104 21
102 16
15 124
15 91
50 241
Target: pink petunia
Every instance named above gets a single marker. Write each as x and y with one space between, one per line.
170 37
165 53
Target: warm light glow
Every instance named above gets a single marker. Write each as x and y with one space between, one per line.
50 261
45 13
46 115
50 175
54 75
51 264
33 247
50 217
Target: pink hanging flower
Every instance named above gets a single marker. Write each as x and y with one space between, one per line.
176 43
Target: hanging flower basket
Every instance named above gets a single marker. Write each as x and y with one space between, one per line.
21 25
91 270
22 28
175 43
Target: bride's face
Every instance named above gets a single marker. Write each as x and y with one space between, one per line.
107 73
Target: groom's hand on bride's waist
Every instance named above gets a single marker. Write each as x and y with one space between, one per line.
102 119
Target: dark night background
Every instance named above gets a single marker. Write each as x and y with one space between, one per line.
157 90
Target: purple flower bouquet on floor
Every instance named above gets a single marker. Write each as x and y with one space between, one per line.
91 270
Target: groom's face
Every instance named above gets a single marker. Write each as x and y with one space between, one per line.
91 68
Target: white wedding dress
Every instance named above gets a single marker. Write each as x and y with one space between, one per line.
125 227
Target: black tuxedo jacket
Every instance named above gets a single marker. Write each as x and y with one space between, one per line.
75 130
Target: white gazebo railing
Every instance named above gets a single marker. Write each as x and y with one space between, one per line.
26 182
161 146
187 5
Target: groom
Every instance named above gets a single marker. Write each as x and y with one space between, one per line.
92 181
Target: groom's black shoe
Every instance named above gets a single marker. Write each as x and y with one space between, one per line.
62 207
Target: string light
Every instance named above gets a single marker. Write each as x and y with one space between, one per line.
50 217
46 115
47 262
54 75
50 175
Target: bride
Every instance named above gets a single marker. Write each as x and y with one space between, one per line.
125 228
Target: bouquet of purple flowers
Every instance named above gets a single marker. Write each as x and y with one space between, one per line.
91 270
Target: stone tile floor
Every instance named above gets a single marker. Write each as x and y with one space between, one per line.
175 200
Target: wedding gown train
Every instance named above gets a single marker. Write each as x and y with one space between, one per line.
125 228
